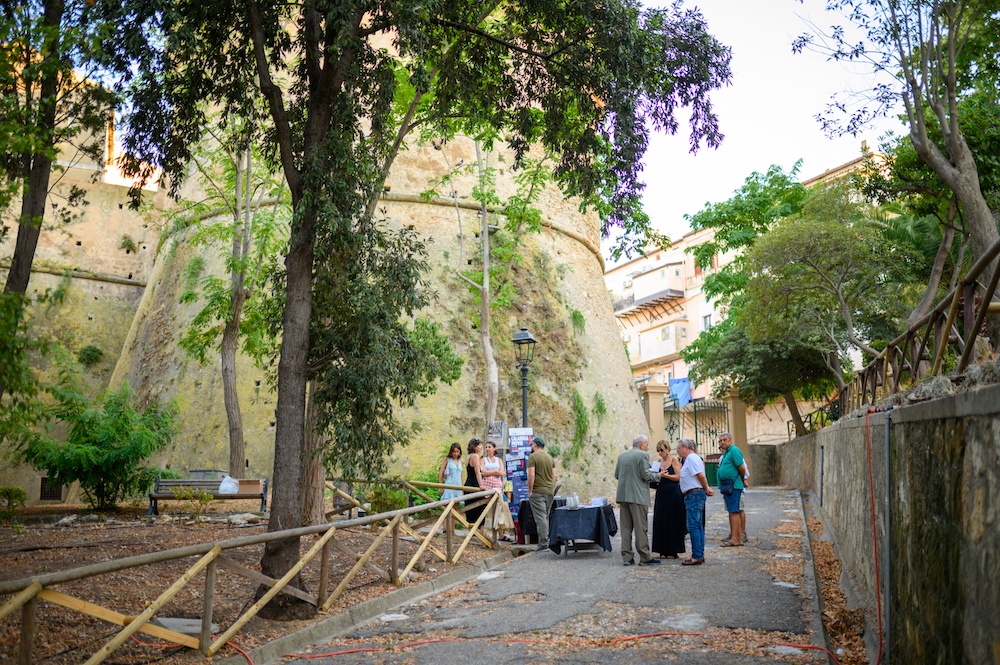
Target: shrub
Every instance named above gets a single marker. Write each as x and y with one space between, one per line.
383 498
12 498
89 356
199 499
106 441
427 476
600 409
582 425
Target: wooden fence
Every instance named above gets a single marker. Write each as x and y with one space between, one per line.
27 593
921 350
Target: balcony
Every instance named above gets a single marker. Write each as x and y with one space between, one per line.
652 307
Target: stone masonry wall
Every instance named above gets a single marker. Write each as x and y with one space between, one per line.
561 272
943 527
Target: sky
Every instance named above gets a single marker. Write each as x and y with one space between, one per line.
768 114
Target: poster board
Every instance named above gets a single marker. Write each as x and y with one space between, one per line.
496 433
517 463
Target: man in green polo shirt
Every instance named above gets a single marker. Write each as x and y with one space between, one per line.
733 467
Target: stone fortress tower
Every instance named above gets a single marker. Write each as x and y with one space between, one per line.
580 386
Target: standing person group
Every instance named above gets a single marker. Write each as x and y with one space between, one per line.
483 470
680 501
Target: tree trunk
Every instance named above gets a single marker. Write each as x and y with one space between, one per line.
37 165
237 450
286 498
793 410
960 173
492 373
313 469
934 283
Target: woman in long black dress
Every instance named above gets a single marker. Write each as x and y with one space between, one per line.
473 477
669 515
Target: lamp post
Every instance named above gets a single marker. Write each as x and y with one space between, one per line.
524 344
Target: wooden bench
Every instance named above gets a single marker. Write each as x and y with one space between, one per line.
164 491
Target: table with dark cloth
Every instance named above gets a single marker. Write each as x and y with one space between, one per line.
593 523
527 528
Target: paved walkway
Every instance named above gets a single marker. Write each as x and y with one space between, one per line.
588 608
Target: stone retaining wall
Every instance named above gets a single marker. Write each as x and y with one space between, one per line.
943 535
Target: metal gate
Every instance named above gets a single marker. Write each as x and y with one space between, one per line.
700 420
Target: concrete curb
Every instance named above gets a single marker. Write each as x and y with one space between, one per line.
813 584
362 613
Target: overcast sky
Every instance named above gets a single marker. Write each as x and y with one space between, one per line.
767 114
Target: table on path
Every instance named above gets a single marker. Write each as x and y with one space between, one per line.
589 523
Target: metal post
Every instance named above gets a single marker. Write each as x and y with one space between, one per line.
524 395
888 542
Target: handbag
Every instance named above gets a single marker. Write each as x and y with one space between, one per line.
727 486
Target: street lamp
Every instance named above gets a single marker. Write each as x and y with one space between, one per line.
524 344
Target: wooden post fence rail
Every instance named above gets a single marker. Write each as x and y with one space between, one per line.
27 592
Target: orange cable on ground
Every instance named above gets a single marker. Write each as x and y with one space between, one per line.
810 646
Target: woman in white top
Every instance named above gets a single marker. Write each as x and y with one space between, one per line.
494 477
492 468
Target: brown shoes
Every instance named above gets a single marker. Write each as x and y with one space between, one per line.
692 562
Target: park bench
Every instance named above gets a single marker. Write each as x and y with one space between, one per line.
164 490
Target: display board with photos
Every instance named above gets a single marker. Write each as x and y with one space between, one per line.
517 464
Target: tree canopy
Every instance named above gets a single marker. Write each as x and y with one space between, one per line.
587 81
931 54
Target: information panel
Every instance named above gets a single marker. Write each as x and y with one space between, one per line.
517 464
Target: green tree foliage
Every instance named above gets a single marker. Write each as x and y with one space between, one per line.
763 371
827 274
367 359
739 222
763 199
931 55
106 441
247 217
20 403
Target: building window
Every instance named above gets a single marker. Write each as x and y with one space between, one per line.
50 490
665 333
706 322
684 332
677 272
663 274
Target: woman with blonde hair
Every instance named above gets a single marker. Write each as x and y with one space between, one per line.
669 514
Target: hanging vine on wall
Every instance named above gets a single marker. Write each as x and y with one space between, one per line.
582 422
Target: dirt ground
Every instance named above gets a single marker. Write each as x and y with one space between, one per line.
35 544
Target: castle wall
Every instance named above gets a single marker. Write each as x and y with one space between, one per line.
561 272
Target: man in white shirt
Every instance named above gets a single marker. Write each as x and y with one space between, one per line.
694 487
